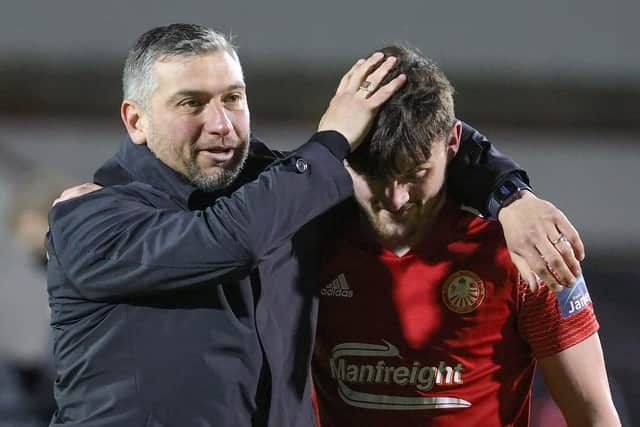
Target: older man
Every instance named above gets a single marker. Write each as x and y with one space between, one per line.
184 292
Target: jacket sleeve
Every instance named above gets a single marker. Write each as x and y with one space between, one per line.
111 244
478 169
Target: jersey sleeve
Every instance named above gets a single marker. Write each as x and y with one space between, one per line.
548 329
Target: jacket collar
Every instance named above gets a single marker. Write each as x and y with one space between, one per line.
135 162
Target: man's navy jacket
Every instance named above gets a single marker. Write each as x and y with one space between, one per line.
173 307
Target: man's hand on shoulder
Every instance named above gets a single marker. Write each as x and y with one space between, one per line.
543 244
77 191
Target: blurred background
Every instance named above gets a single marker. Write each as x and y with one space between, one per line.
555 84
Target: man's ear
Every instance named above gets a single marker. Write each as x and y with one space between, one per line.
134 119
453 140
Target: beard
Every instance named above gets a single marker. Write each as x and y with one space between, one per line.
406 227
220 179
388 227
185 161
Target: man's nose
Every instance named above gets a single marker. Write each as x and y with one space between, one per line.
395 196
217 119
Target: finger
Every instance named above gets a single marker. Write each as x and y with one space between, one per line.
68 193
524 270
565 227
555 287
77 191
538 264
373 80
363 69
565 263
385 92
563 246
556 266
92 187
572 263
559 257
344 81
556 229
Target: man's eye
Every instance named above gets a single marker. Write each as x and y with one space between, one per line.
416 176
190 103
233 98
411 178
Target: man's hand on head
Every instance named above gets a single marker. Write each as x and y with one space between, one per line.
358 98
543 244
76 191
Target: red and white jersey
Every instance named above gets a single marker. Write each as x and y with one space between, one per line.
446 335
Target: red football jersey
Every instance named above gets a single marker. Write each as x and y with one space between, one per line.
446 335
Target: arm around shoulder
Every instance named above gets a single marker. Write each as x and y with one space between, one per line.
478 169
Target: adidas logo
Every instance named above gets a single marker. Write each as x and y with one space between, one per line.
338 287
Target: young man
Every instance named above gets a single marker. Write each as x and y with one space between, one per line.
424 319
184 292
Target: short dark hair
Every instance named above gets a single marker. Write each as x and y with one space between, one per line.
418 114
163 42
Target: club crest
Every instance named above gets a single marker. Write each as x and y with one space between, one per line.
463 292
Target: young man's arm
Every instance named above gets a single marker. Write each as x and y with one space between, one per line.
577 380
562 331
